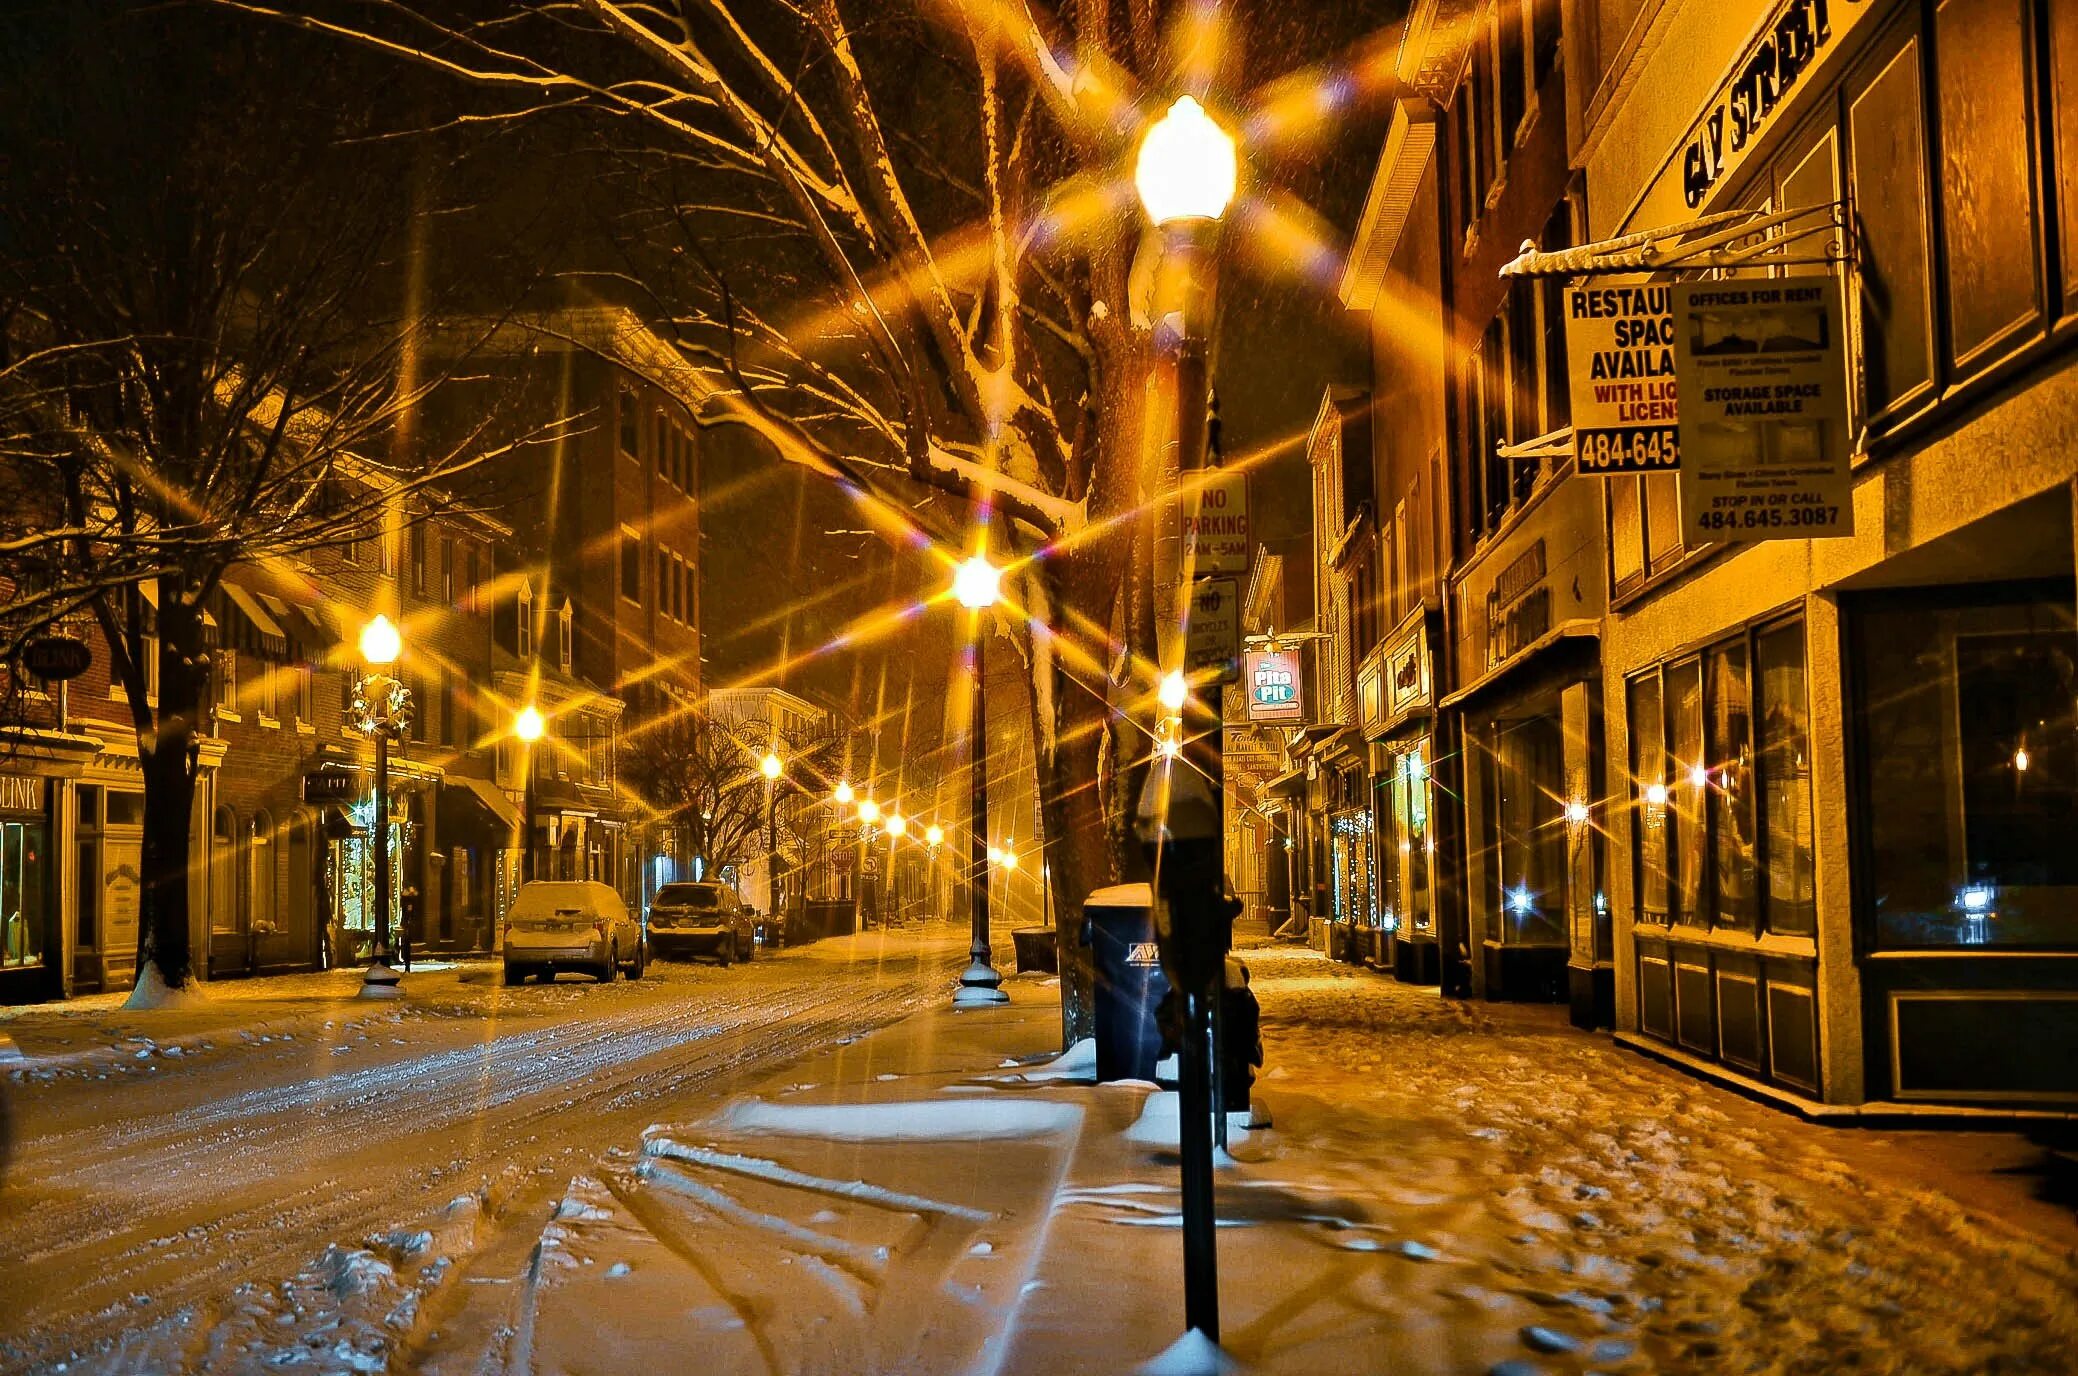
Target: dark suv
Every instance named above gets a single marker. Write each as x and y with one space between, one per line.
702 918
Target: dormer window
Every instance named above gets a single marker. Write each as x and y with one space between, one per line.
525 642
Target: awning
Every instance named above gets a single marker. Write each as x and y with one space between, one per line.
308 629
1566 631
269 636
1290 784
485 799
561 795
1728 239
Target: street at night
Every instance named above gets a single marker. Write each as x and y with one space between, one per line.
1031 687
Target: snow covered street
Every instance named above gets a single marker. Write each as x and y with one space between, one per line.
719 1172
164 1159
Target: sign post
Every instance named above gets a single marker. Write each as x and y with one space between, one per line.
1764 410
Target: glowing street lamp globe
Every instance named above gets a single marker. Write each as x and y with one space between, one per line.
1009 859
528 725
842 793
770 766
934 834
897 824
977 583
1174 691
381 642
869 811
1187 167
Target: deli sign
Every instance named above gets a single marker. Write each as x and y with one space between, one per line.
1794 40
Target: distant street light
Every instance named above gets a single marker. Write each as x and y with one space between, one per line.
842 793
382 708
528 727
897 824
869 811
977 584
772 767
934 834
1174 691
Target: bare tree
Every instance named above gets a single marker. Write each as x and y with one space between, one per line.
896 240
701 776
210 324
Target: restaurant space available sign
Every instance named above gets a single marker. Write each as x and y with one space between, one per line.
1273 681
1764 410
1620 344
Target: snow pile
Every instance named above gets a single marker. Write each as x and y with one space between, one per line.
153 994
1160 1123
1193 1354
1078 1062
941 1120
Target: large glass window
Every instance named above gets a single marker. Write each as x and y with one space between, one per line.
1971 768
1687 780
1986 172
1728 789
1790 899
1720 774
1649 779
24 860
1886 152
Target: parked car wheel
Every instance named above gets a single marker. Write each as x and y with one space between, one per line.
641 961
515 974
610 971
725 954
748 950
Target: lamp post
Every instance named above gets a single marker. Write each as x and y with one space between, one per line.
382 706
529 727
897 827
977 584
773 768
1186 174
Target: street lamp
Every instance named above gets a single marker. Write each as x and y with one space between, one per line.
529 727
1186 174
842 793
869 811
382 708
977 584
772 767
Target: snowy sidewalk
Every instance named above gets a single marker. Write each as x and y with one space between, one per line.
1447 1188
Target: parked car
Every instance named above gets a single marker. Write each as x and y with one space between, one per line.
578 924
702 917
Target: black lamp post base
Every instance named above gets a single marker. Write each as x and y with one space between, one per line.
379 981
980 987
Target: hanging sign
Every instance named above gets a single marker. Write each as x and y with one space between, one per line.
1620 351
55 658
1274 694
1212 642
1764 420
1215 523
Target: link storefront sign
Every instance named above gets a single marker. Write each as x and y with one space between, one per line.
1621 343
1273 686
1764 410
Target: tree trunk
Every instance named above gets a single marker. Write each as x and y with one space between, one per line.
168 754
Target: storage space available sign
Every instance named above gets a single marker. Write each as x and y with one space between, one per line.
1764 415
1621 343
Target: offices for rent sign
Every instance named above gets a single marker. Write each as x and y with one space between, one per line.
1620 347
1764 410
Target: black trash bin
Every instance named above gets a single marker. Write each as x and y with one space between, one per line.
1118 926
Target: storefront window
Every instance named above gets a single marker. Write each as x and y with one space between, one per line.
1353 887
1687 777
1971 755
1728 788
1530 858
1790 897
24 845
1407 852
1649 779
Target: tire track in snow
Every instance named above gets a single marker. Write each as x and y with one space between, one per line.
182 1205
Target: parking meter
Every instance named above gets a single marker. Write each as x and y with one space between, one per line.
1179 826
